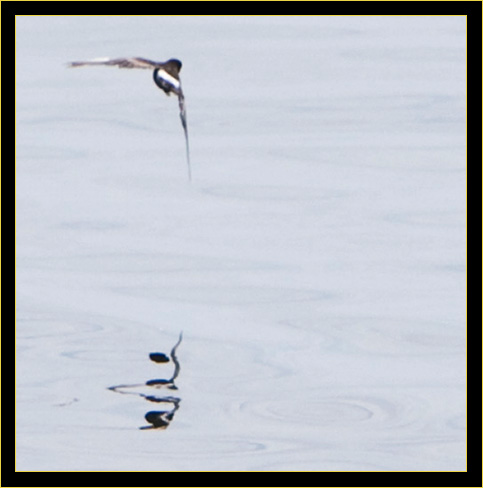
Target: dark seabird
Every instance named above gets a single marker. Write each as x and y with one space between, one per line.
165 75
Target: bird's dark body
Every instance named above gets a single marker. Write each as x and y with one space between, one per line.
166 86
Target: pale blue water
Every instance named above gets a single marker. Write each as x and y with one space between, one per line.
316 264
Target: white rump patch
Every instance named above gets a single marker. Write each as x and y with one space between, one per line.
167 77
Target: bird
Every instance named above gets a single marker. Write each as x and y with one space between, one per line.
165 75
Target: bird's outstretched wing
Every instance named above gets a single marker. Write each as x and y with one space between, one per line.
184 123
119 62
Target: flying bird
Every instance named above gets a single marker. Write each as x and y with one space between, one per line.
165 75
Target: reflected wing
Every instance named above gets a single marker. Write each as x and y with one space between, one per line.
175 359
120 62
184 123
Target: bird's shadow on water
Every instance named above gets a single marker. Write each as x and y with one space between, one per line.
159 419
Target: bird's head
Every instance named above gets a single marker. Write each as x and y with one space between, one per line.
175 62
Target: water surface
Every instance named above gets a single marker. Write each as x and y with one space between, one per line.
315 264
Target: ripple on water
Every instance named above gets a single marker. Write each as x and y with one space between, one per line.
334 411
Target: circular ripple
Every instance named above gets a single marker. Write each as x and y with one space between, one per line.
266 193
329 411
323 412
229 295
389 335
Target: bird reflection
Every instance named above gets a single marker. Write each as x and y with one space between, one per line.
159 419
159 383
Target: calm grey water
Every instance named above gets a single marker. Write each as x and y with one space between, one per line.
316 263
